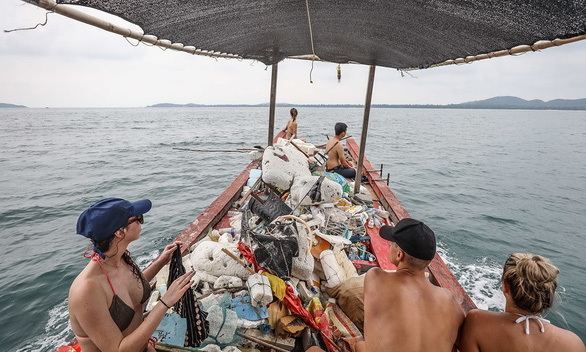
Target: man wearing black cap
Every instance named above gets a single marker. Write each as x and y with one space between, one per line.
403 311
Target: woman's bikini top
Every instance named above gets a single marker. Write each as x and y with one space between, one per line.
525 318
122 313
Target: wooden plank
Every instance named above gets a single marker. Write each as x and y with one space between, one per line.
216 211
437 268
381 249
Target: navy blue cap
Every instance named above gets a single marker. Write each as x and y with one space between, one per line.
412 236
107 216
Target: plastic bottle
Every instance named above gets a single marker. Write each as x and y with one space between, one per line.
353 255
228 230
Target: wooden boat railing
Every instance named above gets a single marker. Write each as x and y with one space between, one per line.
439 271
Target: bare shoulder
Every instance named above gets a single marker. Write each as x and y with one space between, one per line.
568 341
374 275
374 279
476 316
85 289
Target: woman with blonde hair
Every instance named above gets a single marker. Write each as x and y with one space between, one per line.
529 283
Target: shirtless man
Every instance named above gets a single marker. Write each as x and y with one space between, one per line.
336 161
403 311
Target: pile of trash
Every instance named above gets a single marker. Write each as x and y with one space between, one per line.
282 275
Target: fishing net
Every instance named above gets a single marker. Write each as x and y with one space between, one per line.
187 307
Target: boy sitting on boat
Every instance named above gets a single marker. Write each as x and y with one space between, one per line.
336 160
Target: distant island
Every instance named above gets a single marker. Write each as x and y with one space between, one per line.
507 103
4 105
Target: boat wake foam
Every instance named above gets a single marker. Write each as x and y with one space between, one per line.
481 280
57 331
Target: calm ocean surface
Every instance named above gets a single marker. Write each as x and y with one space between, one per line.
488 182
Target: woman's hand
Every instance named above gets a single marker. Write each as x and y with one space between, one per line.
165 257
178 288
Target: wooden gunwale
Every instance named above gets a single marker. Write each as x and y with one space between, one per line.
437 268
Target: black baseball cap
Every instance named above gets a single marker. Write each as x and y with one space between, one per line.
412 236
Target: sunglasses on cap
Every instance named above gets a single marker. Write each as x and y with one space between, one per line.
139 218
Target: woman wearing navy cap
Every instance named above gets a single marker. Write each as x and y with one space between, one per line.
106 298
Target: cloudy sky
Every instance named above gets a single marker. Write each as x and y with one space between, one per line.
70 64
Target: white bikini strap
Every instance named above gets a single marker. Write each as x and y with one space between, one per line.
526 318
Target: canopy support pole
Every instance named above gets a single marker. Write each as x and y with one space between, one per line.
272 107
364 129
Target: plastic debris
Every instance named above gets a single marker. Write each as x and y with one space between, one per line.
260 290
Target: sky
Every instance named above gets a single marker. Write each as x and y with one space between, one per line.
70 64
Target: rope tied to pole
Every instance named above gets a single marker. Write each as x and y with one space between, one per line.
311 38
35 27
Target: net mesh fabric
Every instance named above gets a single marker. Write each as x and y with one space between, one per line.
393 33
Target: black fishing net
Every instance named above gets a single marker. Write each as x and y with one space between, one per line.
391 33
187 307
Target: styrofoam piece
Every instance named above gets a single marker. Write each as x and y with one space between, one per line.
250 324
242 293
245 190
305 293
308 148
254 175
260 290
363 189
294 281
330 190
222 324
281 164
236 222
153 300
348 269
209 258
186 260
254 154
211 348
203 276
226 239
226 281
303 264
333 239
162 276
332 270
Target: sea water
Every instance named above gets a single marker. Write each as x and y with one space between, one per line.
488 182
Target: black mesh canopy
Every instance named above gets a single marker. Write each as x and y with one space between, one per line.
392 33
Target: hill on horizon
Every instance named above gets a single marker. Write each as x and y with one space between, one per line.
5 105
501 102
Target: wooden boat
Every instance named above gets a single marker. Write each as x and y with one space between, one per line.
216 216
461 36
